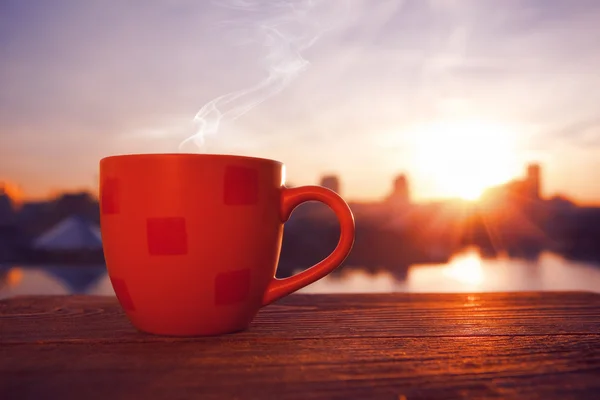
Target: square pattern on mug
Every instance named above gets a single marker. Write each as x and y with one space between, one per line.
166 236
241 186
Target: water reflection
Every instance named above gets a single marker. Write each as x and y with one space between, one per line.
465 269
77 280
466 272
54 280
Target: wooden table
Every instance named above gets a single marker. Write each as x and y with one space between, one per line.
380 346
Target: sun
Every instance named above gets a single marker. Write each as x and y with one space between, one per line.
463 158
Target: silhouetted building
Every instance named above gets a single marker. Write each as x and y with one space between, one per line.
7 212
71 234
82 204
331 182
518 190
534 181
37 217
73 240
9 232
10 199
400 196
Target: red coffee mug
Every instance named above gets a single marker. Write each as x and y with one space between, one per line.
192 241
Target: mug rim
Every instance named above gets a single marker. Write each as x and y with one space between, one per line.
193 155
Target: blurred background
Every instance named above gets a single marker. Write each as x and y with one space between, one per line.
463 133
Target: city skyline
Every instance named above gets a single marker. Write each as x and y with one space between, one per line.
528 185
458 95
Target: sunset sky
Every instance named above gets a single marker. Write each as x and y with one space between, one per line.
458 94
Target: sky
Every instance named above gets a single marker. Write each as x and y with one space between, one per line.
456 94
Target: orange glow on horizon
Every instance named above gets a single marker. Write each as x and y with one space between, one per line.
13 191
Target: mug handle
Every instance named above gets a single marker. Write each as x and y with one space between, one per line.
292 198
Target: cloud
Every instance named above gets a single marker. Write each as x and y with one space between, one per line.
127 77
583 134
82 65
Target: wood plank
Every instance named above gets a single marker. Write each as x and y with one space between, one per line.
499 345
82 318
433 367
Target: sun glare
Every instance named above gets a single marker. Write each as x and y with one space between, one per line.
462 159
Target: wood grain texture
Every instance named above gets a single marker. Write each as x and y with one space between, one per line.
380 346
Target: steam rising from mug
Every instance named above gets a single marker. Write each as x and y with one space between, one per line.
284 60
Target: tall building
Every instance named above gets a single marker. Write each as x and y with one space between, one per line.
10 201
533 180
331 182
400 195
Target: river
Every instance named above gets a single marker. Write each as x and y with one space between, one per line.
465 272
